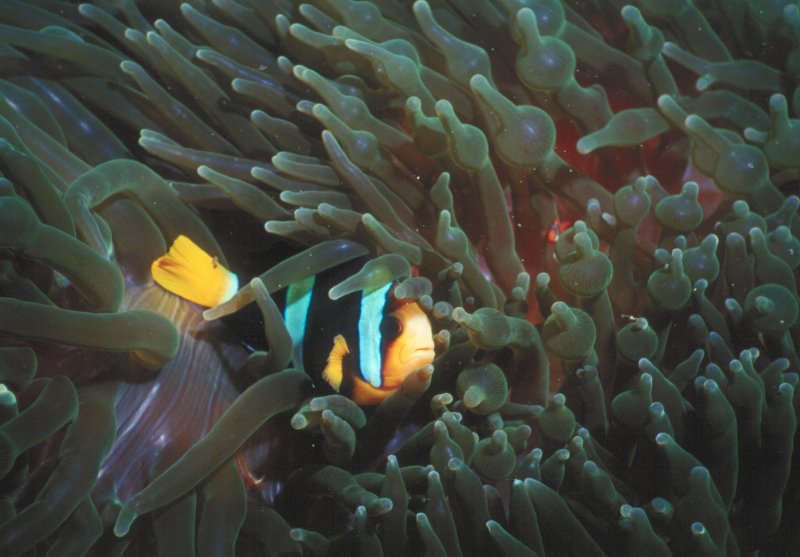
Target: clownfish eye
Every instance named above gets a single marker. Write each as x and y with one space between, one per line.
391 327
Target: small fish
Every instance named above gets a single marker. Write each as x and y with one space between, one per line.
555 229
362 345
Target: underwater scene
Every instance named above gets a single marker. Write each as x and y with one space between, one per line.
444 278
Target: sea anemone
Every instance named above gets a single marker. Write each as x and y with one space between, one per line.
594 204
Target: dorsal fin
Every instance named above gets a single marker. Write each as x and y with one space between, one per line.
334 371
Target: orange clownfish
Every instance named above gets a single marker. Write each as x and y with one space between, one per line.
362 345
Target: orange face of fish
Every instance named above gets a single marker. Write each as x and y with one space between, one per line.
408 338
412 348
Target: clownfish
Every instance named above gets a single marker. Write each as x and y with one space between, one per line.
363 345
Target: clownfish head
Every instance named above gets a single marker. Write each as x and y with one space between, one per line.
191 273
393 343
408 339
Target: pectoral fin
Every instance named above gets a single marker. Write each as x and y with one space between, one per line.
334 371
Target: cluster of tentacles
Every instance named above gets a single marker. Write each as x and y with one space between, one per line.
594 202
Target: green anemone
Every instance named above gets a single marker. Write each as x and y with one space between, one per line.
647 155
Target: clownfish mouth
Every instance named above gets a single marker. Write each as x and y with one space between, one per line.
420 357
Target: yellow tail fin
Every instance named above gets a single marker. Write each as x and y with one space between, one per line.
189 272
